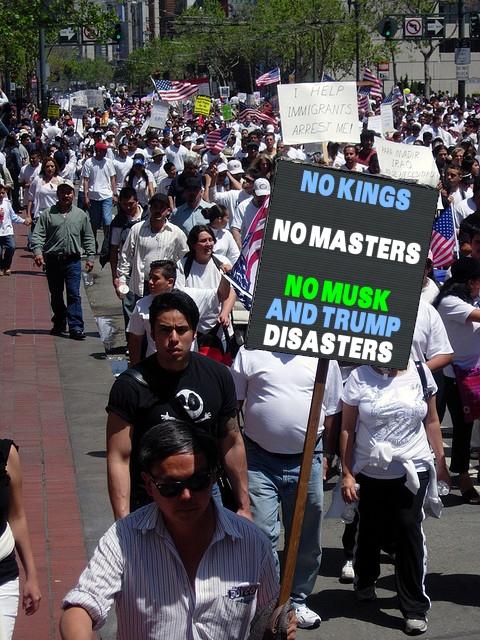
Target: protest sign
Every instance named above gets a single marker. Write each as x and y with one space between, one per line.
144 127
319 111
53 110
77 111
342 265
242 97
224 92
386 117
375 124
227 112
159 115
92 98
407 161
202 105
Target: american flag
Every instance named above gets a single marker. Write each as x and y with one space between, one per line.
244 272
216 140
376 91
363 98
271 77
172 91
395 97
245 113
443 239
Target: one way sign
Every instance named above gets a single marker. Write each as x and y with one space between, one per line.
68 36
435 27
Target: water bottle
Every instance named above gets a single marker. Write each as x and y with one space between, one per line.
87 278
443 488
350 509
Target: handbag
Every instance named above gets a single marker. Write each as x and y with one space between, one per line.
272 622
468 384
210 344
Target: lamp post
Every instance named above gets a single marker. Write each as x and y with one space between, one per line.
356 13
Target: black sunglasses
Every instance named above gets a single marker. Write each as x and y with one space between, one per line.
198 482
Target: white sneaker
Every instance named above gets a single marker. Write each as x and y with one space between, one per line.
348 574
414 627
306 618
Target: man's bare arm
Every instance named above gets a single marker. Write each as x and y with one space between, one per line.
119 449
234 459
76 624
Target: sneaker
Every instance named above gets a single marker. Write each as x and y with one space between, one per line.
57 331
2 272
348 574
306 618
7 272
77 334
415 627
368 594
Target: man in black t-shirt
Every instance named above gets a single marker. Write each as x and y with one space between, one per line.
174 383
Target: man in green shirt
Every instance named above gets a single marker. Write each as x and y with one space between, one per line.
61 233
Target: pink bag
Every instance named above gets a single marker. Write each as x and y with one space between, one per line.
468 383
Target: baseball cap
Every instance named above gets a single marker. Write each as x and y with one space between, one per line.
187 139
139 160
235 167
270 128
66 183
221 167
261 187
101 146
158 151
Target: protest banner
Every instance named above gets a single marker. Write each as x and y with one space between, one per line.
227 112
242 97
224 92
375 124
342 266
77 111
386 117
53 110
159 115
319 111
91 98
407 161
202 105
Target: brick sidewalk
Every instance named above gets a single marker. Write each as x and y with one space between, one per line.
33 415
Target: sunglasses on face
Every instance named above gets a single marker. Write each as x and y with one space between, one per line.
198 482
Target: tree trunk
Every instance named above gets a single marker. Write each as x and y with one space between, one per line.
426 74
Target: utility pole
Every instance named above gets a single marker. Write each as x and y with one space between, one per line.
42 65
356 8
461 36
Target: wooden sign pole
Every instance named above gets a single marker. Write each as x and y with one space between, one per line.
302 489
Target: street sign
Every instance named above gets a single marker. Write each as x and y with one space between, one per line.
90 34
384 66
463 71
462 56
384 75
68 36
435 27
413 27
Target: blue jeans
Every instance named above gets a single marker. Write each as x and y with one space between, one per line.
7 249
65 273
100 213
273 480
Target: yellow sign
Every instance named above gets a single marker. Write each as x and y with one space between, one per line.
53 111
202 105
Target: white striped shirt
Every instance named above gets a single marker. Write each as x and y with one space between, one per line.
142 246
137 566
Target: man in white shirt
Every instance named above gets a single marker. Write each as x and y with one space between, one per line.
182 566
243 218
274 436
157 165
154 239
99 187
176 152
122 163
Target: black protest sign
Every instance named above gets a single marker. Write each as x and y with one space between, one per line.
342 265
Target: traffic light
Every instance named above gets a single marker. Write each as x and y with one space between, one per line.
475 25
387 28
117 34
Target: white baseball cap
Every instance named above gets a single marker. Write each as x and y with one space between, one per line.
235 167
261 187
221 167
270 128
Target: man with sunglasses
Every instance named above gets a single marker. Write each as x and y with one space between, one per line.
173 383
181 567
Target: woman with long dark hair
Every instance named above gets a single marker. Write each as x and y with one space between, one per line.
456 305
141 180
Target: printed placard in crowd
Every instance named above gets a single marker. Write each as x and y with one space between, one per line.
159 114
375 124
386 118
227 112
77 111
202 105
224 92
92 98
53 110
407 162
342 265
318 112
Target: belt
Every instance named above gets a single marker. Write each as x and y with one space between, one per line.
59 255
278 455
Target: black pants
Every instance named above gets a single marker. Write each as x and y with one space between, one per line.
462 430
388 508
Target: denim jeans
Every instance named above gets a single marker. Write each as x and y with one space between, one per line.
65 273
272 482
7 249
100 213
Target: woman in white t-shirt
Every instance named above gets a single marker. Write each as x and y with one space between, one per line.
225 244
456 306
201 268
389 423
141 180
